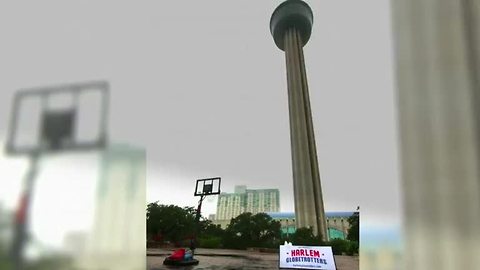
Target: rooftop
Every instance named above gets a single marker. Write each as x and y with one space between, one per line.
330 214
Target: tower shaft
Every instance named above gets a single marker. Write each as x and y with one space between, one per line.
309 210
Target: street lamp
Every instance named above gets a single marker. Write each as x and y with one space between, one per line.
53 128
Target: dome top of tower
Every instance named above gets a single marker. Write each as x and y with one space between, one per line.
291 13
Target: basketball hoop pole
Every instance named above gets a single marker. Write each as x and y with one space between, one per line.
204 191
197 223
23 212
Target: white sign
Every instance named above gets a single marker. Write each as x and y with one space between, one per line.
307 257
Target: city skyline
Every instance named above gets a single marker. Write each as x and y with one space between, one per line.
213 201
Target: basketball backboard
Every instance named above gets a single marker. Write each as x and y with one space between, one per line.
209 186
58 118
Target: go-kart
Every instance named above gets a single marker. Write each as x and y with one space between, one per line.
180 257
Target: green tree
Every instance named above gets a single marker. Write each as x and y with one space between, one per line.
247 230
171 222
305 236
354 230
208 229
210 235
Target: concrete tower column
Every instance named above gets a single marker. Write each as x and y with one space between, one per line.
291 26
437 47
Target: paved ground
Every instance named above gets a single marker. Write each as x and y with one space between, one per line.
234 259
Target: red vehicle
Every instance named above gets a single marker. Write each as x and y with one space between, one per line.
181 257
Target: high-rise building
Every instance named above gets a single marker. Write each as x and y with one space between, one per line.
243 200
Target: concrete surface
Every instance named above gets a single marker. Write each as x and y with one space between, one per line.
235 259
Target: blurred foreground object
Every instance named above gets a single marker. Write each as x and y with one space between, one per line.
118 236
438 62
51 120
59 118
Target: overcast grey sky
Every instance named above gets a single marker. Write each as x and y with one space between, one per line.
202 86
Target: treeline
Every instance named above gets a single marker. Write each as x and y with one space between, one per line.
174 225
